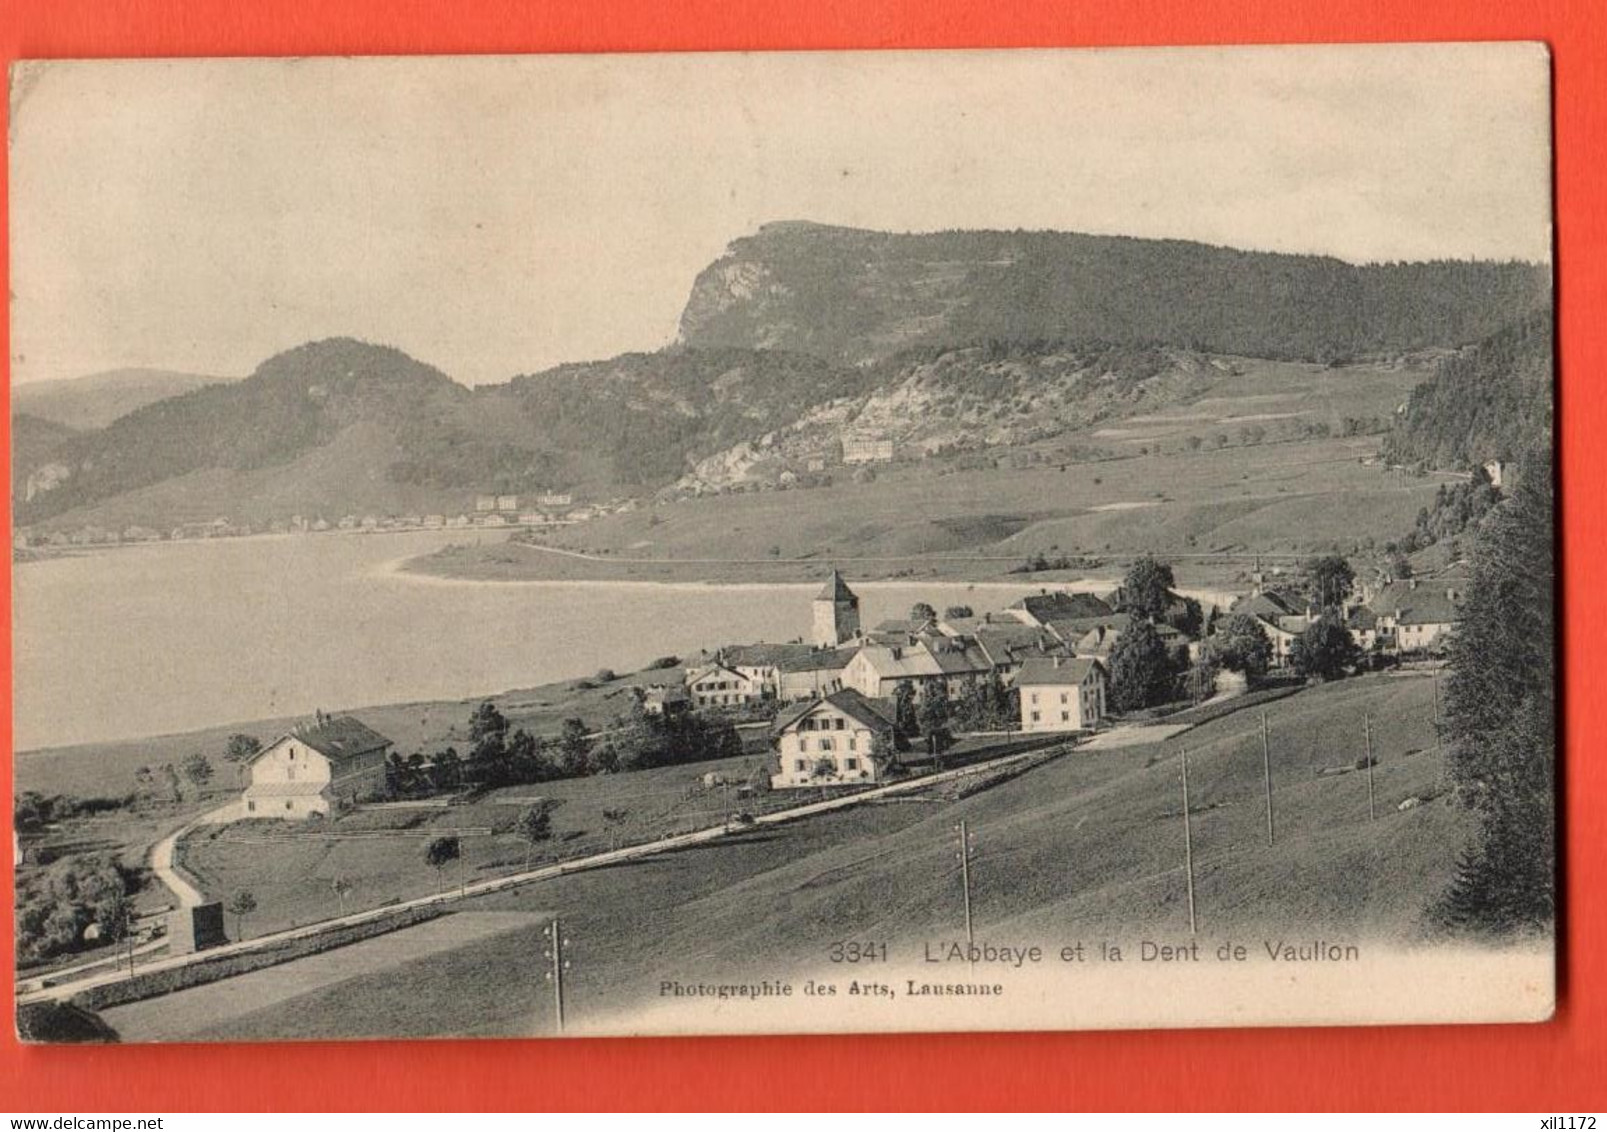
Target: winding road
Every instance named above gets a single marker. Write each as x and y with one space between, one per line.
161 857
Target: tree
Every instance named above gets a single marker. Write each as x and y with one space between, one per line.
170 780
1500 716
198 769
241 748
1185 616
921 611
487 721
1400 567
934 717
1140 667
441 852
1147 588
488 763
904 717
954 612
1241 646
527 757
241 905
446 770
1193 443
534 825
1329 580
883 753
342 888
1326 650
574 746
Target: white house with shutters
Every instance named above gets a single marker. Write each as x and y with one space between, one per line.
314 769
720 685
1062 693
831 742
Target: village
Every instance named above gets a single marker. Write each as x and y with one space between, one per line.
484 512
843 705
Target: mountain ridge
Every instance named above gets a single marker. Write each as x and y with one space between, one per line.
856 296
95 400
830 329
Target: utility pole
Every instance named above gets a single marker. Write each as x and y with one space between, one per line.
966 851
1434 679
556 943
1367 734
1188 841
1266 774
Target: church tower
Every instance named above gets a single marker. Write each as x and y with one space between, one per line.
836 613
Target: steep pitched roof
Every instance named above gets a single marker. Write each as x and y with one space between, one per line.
338 738
957 656
1276 626
1060 606
836 589
766 655
1430 607
899 662
1424 603
819 660
1070 628
1055 671
849 701
1008 645
1266 605
693 675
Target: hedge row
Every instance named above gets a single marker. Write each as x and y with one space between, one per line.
226 966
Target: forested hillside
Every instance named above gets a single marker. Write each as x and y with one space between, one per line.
855 296
295 402
1492 401
649 414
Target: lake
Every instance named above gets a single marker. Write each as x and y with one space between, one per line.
164 637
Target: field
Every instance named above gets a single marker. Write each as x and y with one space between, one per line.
1091 840
289 868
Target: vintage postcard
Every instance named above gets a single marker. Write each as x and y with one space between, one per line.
748 543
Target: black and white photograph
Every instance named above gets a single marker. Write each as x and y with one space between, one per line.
534 546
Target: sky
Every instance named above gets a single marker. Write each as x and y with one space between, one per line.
496 216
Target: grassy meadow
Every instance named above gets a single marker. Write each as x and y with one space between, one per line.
1085 844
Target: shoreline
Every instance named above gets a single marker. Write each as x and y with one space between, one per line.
404 568
411 568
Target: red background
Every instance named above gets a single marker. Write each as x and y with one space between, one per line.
1557 1067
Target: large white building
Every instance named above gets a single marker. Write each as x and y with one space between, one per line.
835 741
1062 694
313 769
720 685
